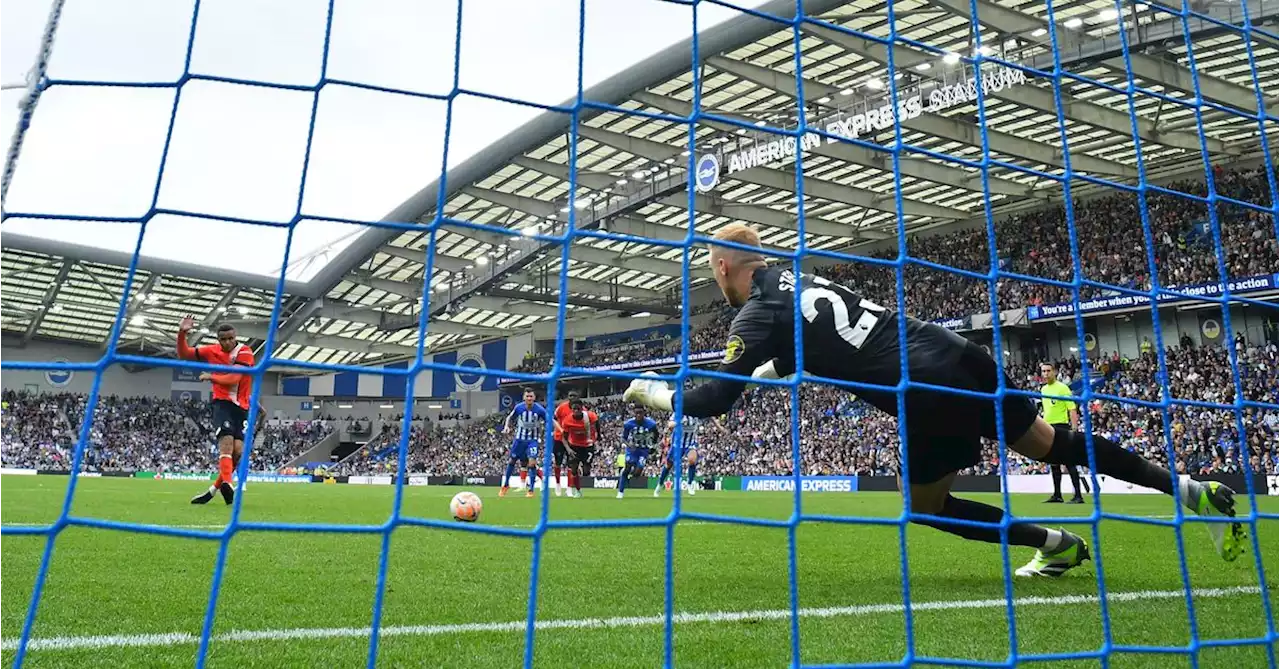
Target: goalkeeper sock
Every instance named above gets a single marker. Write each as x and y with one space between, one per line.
555 473
506 478
524 478
622 478
662 478
693 471
965 509
1069 449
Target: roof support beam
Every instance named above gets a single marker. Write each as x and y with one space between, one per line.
579 252
919 168
1147 67
772 79
332 341
136 304
338 310
441 262
903 57
858 197
583 286
1098 116
1009 21
583 253
682 108
303 313
1176 76
967 133
636 146
496 305
484 236
953 129
596 180
762 215
50 295
413 290
638 228
215 314
635 227
1028 96
521 203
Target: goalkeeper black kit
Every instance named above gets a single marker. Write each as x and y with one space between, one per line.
848 338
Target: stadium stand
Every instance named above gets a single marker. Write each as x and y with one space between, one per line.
135 434
839 434
1036 244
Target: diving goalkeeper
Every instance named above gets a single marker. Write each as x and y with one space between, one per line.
852 339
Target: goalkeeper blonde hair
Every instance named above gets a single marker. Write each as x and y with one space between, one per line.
737 233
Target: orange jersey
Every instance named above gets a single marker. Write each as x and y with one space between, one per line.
582 432
562 412
213 354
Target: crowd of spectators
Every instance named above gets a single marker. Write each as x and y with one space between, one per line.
838 434
40 431
1112 248
841 435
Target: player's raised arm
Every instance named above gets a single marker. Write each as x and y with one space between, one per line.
185 352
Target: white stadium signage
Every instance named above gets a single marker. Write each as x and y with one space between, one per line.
855 125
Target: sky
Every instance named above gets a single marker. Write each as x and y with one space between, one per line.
238 151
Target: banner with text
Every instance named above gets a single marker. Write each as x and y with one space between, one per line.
1250 284
807 483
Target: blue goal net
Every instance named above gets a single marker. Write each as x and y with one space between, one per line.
1086 66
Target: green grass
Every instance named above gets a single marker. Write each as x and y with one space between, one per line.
105 582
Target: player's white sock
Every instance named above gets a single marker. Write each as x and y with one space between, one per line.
1053 541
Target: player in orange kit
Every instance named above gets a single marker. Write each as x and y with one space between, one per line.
581 430
230 401
559 451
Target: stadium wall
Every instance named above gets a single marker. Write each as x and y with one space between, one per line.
161 382
442 412
1125 332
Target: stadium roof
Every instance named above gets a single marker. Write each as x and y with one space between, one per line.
487 281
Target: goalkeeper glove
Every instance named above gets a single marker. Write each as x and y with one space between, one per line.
652 393
766 371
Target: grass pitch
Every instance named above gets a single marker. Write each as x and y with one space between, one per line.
459 598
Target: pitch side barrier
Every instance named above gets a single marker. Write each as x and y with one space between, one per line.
1016 483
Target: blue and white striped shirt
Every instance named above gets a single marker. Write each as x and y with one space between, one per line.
530 421
691 428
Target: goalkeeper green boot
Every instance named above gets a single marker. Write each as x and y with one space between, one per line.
1072 553
1216 499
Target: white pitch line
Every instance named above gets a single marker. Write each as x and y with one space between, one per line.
182 638
682 523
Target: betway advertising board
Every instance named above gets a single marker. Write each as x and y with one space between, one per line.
807 483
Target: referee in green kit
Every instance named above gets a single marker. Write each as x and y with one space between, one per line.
1059 412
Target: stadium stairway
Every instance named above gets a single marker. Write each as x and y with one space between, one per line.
1096 380
375 442
320 451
